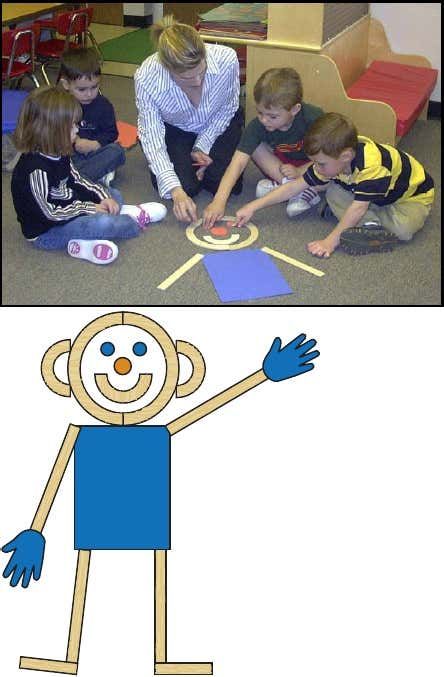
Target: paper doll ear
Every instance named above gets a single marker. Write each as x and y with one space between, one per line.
198 373
47 368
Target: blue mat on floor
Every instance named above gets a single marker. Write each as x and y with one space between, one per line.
244 275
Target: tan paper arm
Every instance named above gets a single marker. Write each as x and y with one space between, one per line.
55 478
217 401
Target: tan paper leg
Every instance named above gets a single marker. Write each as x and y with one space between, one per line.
160 617
78 606
161 665
68 667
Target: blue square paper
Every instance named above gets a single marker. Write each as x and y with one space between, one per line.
244 275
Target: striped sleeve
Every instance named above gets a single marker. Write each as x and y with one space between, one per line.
225 87
90 186
38 181
151 130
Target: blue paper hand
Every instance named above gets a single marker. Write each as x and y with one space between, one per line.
27 559
292 360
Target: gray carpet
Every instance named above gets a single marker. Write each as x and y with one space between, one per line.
410 275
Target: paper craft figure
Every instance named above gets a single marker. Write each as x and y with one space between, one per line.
224 236
123 369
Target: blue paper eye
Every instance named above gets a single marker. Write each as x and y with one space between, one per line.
139 349
107 348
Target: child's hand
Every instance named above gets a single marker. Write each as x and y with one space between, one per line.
289 171
108 206
323 248
243 216
85 145
212 213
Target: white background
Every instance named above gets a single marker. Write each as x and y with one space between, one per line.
307 516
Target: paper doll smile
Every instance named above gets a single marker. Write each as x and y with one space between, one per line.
123 396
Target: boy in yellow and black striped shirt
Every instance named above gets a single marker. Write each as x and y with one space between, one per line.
379 194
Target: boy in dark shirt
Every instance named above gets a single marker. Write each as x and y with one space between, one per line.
96 154
274 141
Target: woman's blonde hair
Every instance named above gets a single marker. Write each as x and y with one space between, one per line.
179 47
45 122
278 87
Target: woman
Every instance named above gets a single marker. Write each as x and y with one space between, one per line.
190 123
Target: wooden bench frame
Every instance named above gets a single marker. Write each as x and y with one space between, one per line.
327 72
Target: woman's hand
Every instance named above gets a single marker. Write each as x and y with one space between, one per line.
200 158
183 206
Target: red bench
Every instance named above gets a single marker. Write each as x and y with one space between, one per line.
405 88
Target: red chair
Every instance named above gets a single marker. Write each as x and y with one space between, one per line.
51 25
74 27
20 42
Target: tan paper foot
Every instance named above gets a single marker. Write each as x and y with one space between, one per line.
67 667
183 668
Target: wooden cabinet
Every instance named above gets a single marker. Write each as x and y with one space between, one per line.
327 43
108 13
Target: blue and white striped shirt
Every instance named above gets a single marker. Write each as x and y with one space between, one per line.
159 99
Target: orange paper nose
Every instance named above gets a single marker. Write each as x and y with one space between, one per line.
122 365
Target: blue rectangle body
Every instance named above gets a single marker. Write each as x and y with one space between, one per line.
243 275
122 483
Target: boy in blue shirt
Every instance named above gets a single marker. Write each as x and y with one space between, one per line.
97 155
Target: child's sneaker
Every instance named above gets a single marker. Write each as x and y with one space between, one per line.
106 180
146 213
265 186
300 203
370 238
96 251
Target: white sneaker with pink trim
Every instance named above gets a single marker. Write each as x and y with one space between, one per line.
300 203
96 251
146 213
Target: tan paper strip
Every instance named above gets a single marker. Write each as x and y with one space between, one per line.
48 665
183 669
293 262
180 271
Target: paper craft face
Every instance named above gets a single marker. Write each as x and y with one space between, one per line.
122 367
123 363
222 236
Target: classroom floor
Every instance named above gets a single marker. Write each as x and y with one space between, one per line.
104 32
410 275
